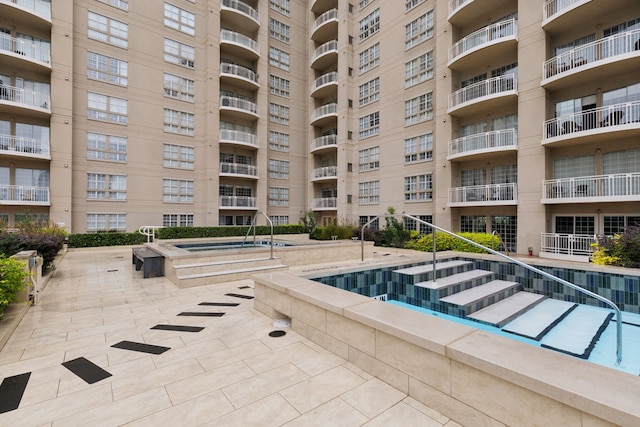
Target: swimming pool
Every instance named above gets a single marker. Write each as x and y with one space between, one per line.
220 246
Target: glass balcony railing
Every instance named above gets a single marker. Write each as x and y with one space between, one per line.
325 79
324 172
324 203
324 141
484 36
484 142
24 194
324 48
240 137
327 16
25 97
242 7
238 201
239 39
239 71
325 110
238 169
30 50
41 8
238 103
613 187
20 145
484 88
484 194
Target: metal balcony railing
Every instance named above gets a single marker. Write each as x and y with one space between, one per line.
25 97
488 87
239 70
238 169
326 109
324 48
24 194
619 186
21 145
242 7
36 52
454 5
324 202
39 7
499 30
325 79
611 116
485 141
240 39
555 7
324 172
567 244
239 136
238 201
327 16
480 194
324 141
238 103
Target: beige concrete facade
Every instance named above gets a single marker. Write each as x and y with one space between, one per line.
519 117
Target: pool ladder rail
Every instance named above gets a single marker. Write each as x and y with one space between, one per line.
149 231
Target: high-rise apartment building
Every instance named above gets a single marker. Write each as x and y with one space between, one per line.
515 116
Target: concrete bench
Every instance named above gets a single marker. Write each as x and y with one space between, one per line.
150 261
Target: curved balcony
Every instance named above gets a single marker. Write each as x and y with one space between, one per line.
319 6
325 27
240 15
15 99
238 203
239 44
324 204
560 14
24 55
30 13
325 55
466 12
619 120
24 195
483 144
484 195
593 61
324 114
484 95
238 170
326 173
245 139
239 107
619 187
493 41
325 86
24 147
325 142
239 75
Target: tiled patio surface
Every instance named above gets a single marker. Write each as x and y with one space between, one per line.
232 373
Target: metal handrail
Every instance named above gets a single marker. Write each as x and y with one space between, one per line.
253 225
515 261
149 231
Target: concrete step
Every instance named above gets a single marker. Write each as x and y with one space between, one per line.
536 322
423 273
466 302
502 312
455 283
222 265
200 279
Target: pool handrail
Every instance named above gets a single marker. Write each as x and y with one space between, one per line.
515 261
253 225
149 231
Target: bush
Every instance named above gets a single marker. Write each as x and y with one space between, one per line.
92 240
394 234
447 242
12 275
621 250
326 232
46 241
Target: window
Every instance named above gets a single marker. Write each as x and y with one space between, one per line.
107 69
617 224
179 19
278 141
369 58
106 147
410 4
177 220
418 109
418 30
279 58
278 196
107 108
179 122
411 224
419 69
178 156
177 190
278 86
507 227
178 53
473 224
278 30
363 3
504 174
369 159
279 219
102 186
572 167
369 192
370 24
281 6
278 113
120 4
418 148
108 30
369 92
278 169
369 125
235 220
29 138
375 224
179 87
106 222
418 188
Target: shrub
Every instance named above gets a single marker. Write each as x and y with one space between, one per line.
326 232
92 240
12 275
623 249
447 242
46 241
394 233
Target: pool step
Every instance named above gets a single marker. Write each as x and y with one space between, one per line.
222 265
228 275
455 283
536 322
471 300
502 312
423 273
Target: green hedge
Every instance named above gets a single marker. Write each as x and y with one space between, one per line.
446 242
92 240
326 232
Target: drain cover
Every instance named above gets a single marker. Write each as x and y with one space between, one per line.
277 334
281 323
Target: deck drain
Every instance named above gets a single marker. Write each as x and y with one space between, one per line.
281 323
277 334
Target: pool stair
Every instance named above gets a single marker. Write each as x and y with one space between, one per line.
212 271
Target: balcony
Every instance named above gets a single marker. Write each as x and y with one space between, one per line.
24 147
239 107
483 144
319 6
238 170
618 120
245 139
594 61
325 114
571 247
22 54
239 75
240 45
324 204
324 143
619 187
240 15
325 27
325 55
485 95
325 86
558 14
24 195
30 13
484 195
463 13
494 41
326 173
238 202
15 99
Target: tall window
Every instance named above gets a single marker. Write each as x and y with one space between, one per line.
278 196
106 147
106 222
108 108
368 159
179 122
369 58
178 156
279 31
108 30
120 4
369 192
418 30
281 6
179 87
278 169
504 174
279 58
572 167
278 113
418 109
177 220
418 148
101 186
507 226
410 4
369 125
370 24
278 86
363 3
178 53
471 177
107 69
419 69
279 219
177 190
369 92
278 141
179 19
418 188
473 224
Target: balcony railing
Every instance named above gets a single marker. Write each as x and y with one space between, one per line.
611 116
242 7
240 39
488 87
327 16
238 169
324 79
324 48
326 109
483 142
239 70
24 194
325 172
613 187
25 97
484 194
25 48
554 7
22 145
486 35
591 53
238 201
245 138
324 141
324 203
566 244
39 7
238 103
454 5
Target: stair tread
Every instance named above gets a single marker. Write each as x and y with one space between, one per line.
223 272
535 322
224 262
453 279
502 310
426 268
478 292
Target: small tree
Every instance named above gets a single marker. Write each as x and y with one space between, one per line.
12 275
309 221
394 233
